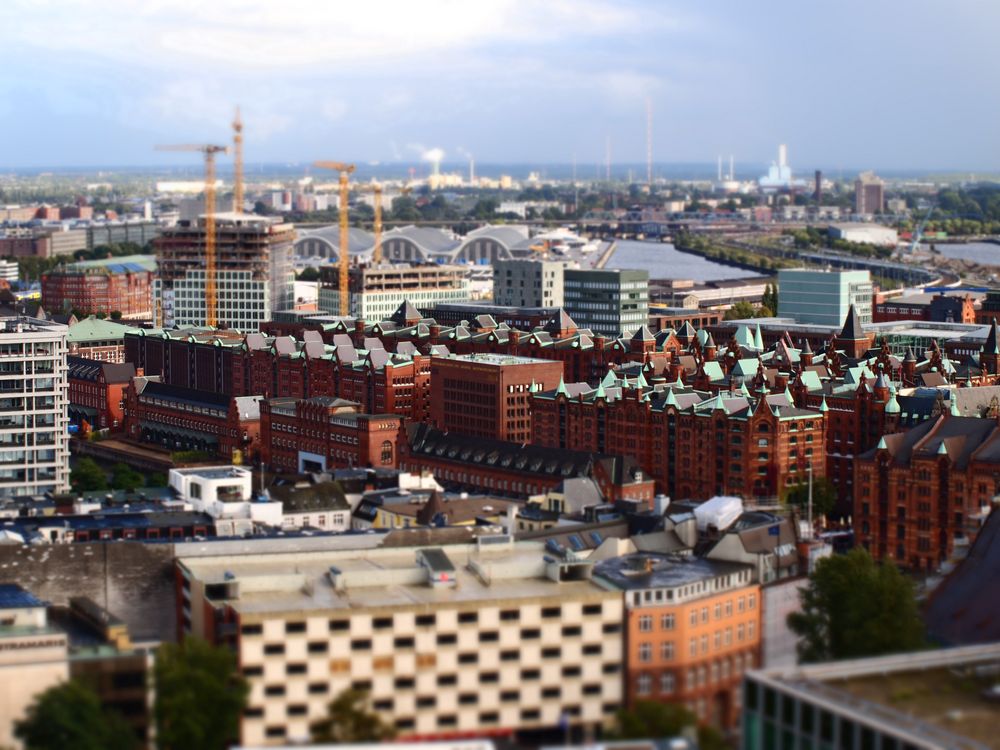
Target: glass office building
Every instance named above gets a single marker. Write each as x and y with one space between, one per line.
821 297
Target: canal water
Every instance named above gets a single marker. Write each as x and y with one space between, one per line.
985 253
663 261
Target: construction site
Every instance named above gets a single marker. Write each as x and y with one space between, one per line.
252 271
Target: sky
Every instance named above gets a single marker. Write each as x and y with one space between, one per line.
847 84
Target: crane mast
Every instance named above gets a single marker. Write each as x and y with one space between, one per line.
345 171
209 151
238 162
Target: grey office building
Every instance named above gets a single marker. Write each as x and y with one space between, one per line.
528 283
34 444
607 302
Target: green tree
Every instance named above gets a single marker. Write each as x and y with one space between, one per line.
649 719
404 208
770 298
824 496
349 719
124 477
853 607
87 476
485 208
310 273
156 479
741 311
71 715
199 696
116 314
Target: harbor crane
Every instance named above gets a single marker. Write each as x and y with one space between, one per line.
345 171
209 151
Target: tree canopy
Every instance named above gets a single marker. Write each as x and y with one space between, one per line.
350 720
87 476
71 715
743 310
200 696
124 477
853 607
824 496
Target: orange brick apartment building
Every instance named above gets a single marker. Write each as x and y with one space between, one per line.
692 627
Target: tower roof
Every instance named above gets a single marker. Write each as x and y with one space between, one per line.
992 345
643 334
852 327
405 313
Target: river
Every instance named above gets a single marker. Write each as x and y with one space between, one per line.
985 253
663 261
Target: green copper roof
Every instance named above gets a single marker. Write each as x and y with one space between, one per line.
92 329
881 444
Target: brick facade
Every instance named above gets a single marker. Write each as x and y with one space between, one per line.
488 395
324 433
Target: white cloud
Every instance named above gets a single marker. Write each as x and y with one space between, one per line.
188 34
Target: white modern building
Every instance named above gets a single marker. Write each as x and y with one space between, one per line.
820 297
34 443
226 494
868 234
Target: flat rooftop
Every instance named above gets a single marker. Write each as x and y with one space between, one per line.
271 584
496 360
655 571
936 696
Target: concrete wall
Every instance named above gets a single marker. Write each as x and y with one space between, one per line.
133 580
780 600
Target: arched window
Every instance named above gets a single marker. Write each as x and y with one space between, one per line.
387 452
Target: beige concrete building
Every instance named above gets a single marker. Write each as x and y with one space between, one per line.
495 637
33 657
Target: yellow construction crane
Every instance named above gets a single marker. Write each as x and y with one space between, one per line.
238 163
344 263
209 151
376 189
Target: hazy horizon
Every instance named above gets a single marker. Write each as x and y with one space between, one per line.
894 86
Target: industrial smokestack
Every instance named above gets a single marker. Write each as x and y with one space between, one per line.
782 155
649 143
719 169
732 168
818 193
